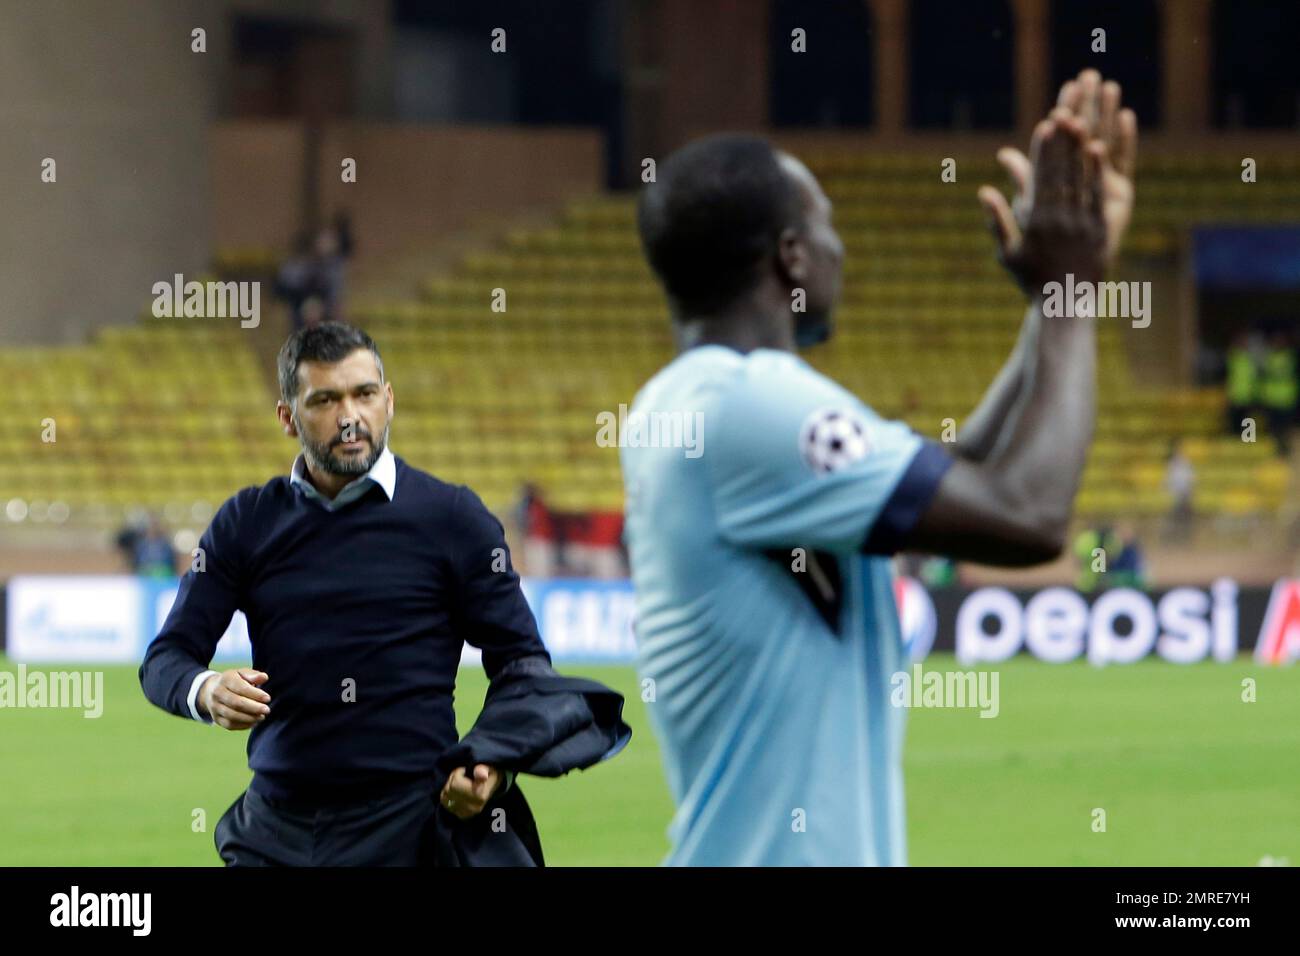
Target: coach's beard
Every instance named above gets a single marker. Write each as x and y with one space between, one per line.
320 455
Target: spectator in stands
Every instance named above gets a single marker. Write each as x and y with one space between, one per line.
1242 382
137 523
537 527
333 249
592 545
312 280
1180 482
294 282
1278 390
1128 568
148 548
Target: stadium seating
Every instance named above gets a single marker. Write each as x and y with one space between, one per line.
167 414
926 321
176 415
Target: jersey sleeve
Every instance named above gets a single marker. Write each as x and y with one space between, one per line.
797 461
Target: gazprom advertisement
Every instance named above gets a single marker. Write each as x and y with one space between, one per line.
113 619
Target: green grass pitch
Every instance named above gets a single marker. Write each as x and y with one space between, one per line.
1187 773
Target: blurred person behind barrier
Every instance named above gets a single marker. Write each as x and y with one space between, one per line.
1278 390
536 525
1128 569
312 281
151 551
1242 382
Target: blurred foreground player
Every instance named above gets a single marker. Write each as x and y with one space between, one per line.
765 608
362 578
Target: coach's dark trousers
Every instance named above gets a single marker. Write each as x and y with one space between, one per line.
396 829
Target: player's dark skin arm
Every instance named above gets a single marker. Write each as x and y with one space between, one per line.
1097 106
980 432
1013 506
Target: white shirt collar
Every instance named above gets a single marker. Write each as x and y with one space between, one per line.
382 473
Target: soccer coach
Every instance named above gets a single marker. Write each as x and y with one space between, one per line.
361 578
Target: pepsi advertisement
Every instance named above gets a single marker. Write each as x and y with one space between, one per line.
113 618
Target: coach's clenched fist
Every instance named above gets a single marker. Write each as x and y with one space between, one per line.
234 699
466 796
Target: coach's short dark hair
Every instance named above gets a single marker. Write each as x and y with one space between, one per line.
716 210
326 342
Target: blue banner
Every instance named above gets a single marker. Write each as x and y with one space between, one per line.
1247 257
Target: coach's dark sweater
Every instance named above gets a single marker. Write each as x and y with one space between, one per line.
379 593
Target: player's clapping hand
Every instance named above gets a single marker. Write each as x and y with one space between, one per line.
235 700
1058 226
1097 104
466 796
1084 152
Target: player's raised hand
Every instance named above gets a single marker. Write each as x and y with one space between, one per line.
235 700
466 795
1057 226
1097 104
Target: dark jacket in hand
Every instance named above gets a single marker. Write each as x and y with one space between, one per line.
533 721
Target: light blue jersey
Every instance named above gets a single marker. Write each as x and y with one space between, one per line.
765 609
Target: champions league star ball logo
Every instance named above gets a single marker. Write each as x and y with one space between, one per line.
832 439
